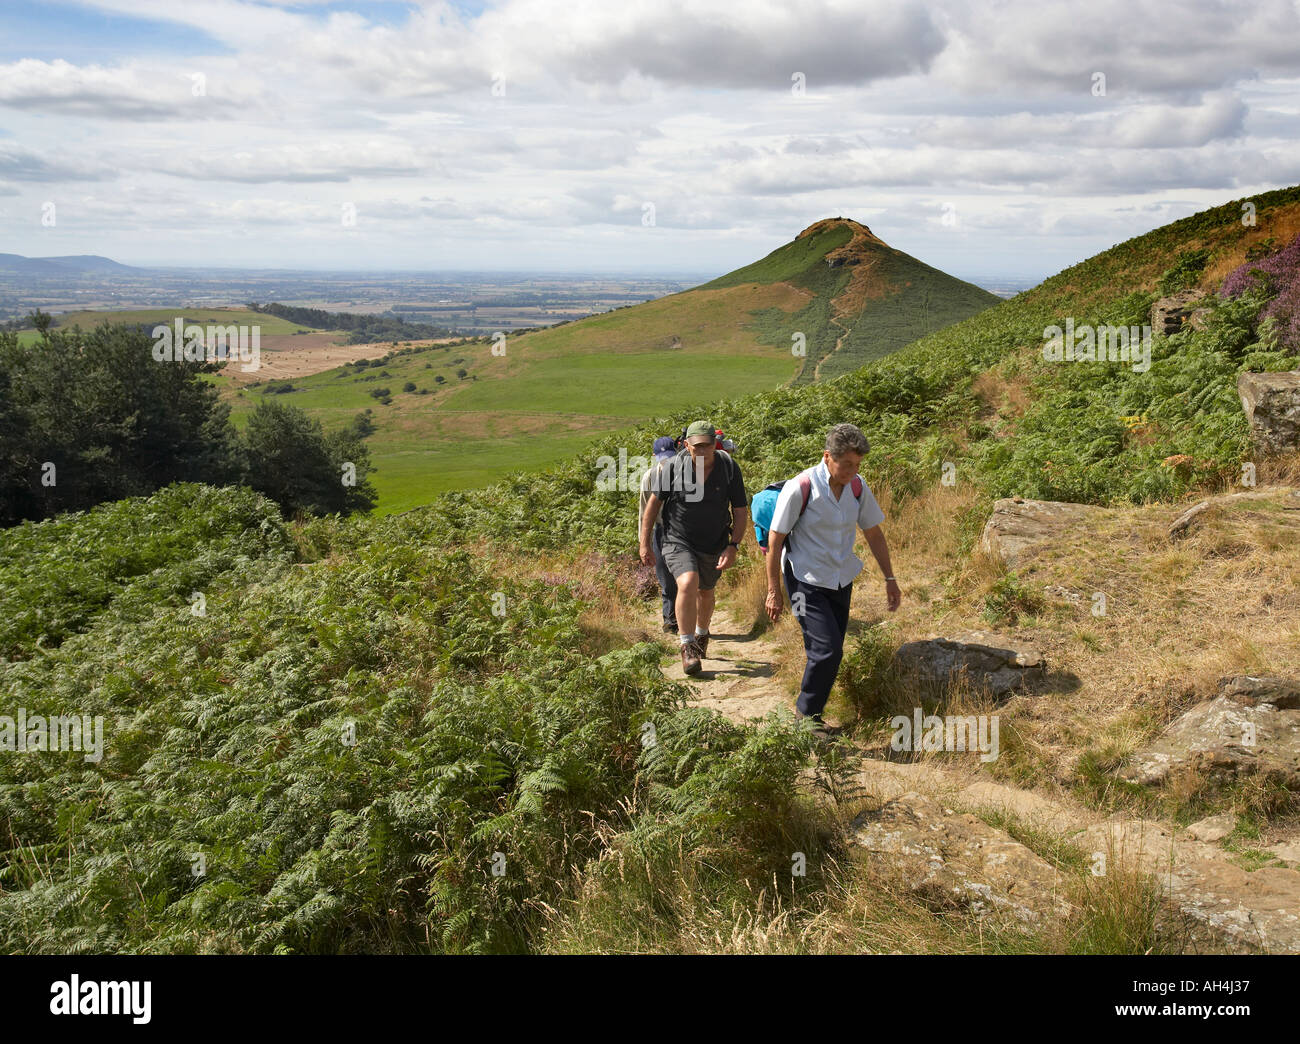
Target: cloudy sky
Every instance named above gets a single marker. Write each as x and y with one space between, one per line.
988 139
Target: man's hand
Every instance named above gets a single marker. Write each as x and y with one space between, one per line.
647 554
727 558
774 604
893 594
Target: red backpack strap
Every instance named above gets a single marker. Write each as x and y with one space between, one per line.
805 484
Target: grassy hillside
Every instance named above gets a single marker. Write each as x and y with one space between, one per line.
544 395
355 739
870 299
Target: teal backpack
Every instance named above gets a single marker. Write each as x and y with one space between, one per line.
765 504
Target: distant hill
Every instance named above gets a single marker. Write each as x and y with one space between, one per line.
70 264
852 297
870 299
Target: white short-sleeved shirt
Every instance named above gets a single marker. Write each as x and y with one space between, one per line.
819 544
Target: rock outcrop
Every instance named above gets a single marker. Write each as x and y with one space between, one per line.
1272 405
1251 728
1169 314
985 660
1221 905
957 861
1018 526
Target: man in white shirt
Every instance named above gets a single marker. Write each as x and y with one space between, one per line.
810 542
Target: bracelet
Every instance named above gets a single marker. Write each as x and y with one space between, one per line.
889 578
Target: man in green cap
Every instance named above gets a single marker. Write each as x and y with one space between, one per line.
702 496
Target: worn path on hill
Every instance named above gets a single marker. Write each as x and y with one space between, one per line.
925 807
736 679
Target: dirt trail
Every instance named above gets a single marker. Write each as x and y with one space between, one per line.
1225 906
736 678
817 370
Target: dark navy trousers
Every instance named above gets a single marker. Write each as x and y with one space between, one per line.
667 582
825 621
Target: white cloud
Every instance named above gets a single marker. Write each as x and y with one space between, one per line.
686 105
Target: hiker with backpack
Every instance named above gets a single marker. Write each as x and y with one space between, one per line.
809 536
665 449
701 494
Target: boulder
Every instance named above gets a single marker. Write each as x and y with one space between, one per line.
1250 691
1252 727
957 861
1272 405
1017 526
986 660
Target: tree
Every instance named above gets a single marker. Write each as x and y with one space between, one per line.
40 320
92 416
289 458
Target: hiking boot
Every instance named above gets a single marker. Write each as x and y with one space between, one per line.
702 643
670 627
690 657
821 732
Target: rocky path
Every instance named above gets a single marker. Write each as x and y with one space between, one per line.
929 825
736 677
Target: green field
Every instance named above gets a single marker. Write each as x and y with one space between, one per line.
471 433
271 325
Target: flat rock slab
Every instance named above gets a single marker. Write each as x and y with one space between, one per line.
747 704
1225 906
957 861
1249 729
1213 828
1018 526
1287 850
1255 911
987 660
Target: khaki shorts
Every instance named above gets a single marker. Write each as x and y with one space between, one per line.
681 560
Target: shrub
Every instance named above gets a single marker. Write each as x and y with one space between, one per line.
1277 276
288 457
1186 271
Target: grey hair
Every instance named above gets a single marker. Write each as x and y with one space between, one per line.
846 438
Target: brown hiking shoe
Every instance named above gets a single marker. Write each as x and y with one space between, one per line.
702 643
691 657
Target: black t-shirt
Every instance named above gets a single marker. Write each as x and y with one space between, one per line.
699 520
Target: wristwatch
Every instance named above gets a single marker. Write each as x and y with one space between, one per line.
732 543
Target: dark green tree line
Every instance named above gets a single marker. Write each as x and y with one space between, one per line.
89 416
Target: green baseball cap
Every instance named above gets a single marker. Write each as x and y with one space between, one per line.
701 428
